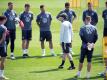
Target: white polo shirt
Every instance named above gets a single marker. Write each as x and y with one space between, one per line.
66 32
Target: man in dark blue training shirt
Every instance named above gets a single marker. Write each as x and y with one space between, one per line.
11 27
71 16
26 17
44 22
89 36
92 13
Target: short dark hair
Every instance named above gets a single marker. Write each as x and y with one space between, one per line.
9 3
67 4
89 3
27 5
106 2
2 18
42 6
88 18
64 15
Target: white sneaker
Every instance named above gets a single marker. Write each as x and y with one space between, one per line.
43 55
3 78
12 57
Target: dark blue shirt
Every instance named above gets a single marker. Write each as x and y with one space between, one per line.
2 31
104 15
10 23
27 20
88 33
93 14
70 13
44 20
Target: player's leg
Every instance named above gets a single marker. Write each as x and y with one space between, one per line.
64 55
49 39
81 61
70 49
3 55
12 41
89 58
42 39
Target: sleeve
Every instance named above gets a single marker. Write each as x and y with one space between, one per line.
32 17
96 18
95 36
50 17
71 31
62 33
103 15
20 16
74 14
38 18
59 14
84 15
81 33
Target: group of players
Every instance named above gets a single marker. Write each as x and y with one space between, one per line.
88 33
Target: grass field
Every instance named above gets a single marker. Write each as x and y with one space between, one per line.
38 68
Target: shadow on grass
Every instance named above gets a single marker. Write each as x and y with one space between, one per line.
91 78
43 71
20 57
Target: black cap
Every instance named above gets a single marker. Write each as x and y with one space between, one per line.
64 15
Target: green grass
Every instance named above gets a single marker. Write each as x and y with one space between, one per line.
38 68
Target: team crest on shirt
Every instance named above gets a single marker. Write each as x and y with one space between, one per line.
47 16
70 12
89 30
11 16
44 20
27 17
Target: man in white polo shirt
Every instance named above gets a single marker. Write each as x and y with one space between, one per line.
66 34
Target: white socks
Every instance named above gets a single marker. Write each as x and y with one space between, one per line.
25 51
1 73
88 75
52 51
78 73
43 51
12 53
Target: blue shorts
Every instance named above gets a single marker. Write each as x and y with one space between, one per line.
12 35
45 35
86 53
26 34
3 52
66 47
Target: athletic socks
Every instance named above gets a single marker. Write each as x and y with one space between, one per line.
12 53
43 51
1 73
25 51
72 64
88 75
78 73
52 51
63 61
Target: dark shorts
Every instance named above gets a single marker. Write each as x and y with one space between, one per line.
3 52
105 32
26 34
12 35
45 35
66 47
86 53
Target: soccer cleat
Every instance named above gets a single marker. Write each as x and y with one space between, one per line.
71 68
4 78
61 67
12 57
102 74
25 55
